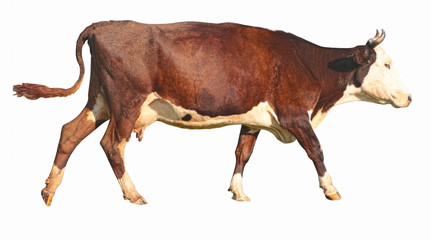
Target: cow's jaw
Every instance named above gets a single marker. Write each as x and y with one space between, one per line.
383 84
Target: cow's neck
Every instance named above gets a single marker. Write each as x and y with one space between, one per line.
334 70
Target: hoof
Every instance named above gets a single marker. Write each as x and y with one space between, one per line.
241 198
139 200
333 196
238 195
47 197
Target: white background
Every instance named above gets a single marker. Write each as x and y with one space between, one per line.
378 156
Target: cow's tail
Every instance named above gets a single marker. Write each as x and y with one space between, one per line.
35 91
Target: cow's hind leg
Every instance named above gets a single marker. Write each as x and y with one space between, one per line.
113 143
247 139
72 134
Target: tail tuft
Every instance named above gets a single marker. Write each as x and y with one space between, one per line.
35 91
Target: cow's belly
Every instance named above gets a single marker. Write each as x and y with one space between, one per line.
261 116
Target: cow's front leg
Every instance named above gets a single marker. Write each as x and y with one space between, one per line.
331 192
114 143
247 139
303 131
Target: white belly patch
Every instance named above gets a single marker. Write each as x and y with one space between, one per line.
261 116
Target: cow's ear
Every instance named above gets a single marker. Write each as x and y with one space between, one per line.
362 56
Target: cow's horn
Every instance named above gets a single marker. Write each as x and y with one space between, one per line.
376 40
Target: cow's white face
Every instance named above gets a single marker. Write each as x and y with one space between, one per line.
383 84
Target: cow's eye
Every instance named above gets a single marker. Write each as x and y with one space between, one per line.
387 65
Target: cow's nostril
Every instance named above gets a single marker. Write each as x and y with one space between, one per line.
409 98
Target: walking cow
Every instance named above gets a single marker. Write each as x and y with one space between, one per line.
201 75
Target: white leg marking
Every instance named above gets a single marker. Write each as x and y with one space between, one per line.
236 188
129 190
54 179
329 189
52 182
127 186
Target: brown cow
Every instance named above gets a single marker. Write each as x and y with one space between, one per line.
200 75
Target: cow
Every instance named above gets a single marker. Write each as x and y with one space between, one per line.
201 75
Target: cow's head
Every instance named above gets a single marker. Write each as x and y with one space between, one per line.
376 78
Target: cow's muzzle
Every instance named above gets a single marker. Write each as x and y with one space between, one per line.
401 99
